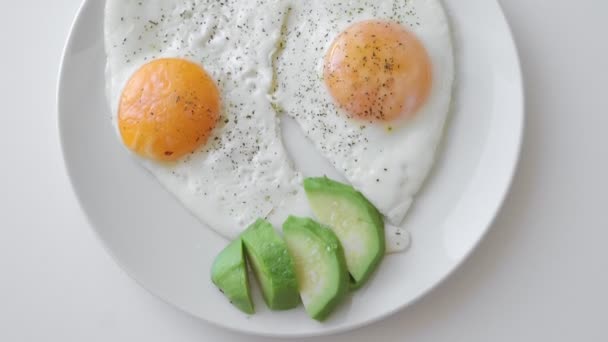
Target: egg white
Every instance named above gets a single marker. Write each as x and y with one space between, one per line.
388 163
243 172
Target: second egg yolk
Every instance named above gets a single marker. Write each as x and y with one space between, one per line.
168 109
378 71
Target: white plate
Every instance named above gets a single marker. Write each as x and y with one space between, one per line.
168 251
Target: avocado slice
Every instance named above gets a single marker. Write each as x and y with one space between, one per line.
229 274
272 265
320 265
357 223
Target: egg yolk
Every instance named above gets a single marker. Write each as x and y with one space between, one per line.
378 71
168 109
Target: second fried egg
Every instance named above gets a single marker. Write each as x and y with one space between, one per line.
370 84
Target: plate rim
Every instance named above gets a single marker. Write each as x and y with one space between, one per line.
501 198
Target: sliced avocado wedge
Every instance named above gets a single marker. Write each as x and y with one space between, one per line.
320 265
272 266
229 274
357 223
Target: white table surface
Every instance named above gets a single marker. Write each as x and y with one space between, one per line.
540 275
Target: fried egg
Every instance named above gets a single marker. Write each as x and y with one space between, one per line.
188 83
370 83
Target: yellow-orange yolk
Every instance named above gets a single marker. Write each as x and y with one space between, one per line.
378 71
168 109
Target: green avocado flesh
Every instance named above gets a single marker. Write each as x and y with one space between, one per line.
320 265
357 223
229 274
272 266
